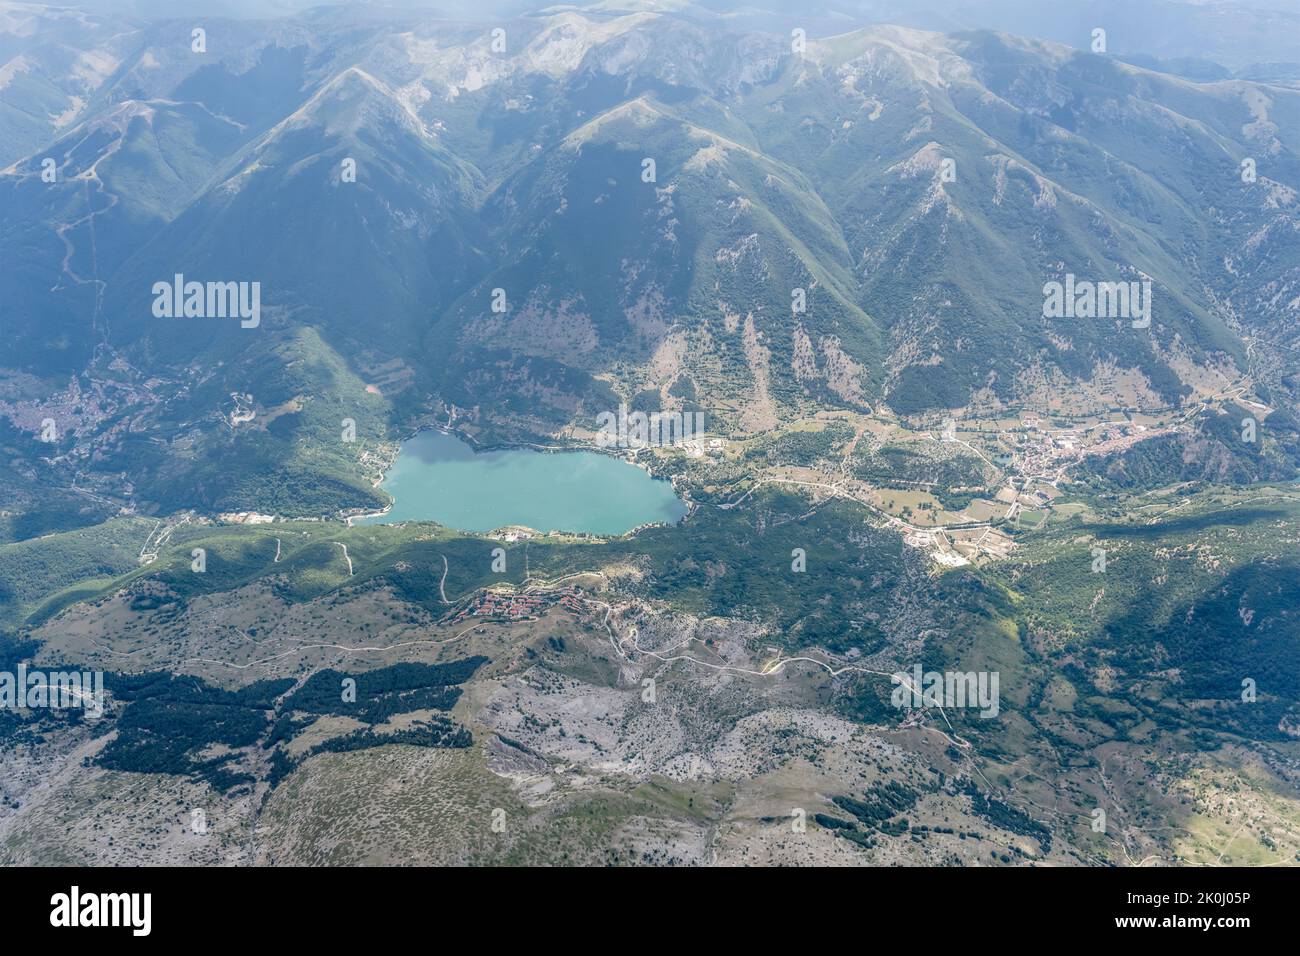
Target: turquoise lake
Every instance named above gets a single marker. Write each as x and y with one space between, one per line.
437 477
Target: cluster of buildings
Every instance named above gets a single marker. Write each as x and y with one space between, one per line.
571 599
510 606
1049 452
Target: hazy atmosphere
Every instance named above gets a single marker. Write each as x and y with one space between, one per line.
651 434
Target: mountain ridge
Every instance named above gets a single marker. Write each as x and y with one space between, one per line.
917 189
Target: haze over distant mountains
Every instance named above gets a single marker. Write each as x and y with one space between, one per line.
919 188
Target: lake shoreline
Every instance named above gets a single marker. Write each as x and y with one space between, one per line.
617 497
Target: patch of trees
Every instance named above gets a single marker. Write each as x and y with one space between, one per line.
15 649
382 693
168 719
437 732
801 447
857 836
895 466
826 821
1006 817
880 805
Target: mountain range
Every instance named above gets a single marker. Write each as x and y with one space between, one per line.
524 225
